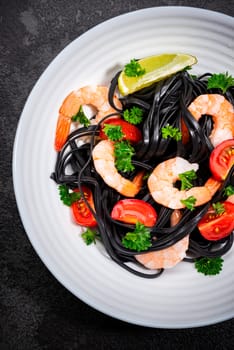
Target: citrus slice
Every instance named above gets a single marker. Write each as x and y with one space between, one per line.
155 69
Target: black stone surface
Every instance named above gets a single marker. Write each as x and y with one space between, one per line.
36 311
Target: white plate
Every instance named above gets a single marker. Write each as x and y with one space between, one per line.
181 297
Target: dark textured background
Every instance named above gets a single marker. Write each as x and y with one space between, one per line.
36 311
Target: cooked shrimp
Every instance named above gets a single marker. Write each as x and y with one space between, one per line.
168 257
164 176
222 113
104 162
96 96
230 198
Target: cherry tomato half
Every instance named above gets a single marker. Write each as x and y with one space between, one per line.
81 212
222 159
132 210
217 226
130 131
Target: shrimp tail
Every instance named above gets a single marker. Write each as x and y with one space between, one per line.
128 189
212 185
62 131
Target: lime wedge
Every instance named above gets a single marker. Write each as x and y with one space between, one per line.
156 68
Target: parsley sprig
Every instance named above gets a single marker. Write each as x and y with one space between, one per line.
113 132
133 115
89 236
169 131
81 117
67 196
139 239
187 68
218 208
189 202
186 179
133 69
229 190
123 153
209 266
220 81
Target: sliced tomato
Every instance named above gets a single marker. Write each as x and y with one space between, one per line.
217 226
222 159
130 131
132 210
81 212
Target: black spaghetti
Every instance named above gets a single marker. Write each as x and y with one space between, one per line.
163 103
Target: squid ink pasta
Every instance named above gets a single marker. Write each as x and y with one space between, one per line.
165 106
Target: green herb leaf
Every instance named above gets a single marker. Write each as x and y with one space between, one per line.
229 190
68 197
133 115
113 132
133 69
81 118
146 176
193 76
123 153
187 68
209 266
139 239
186 179
218 208
189 202
89 236
169 131
220 81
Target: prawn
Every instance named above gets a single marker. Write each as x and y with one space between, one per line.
165 174
168 257
222 113
95 96
104 163
230 198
